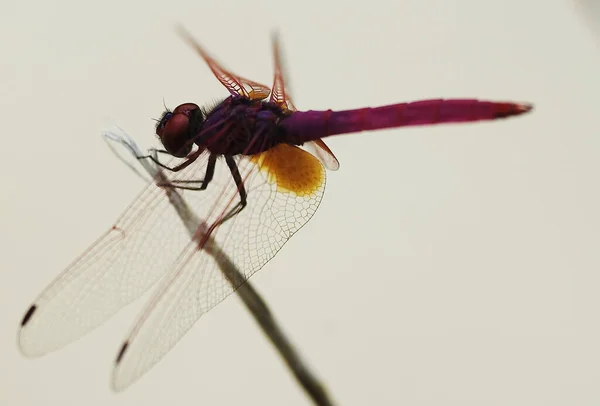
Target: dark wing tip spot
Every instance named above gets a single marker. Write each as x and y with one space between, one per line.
28 315
122 352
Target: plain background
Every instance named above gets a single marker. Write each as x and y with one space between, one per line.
455 265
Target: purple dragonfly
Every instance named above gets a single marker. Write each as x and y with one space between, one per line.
270 186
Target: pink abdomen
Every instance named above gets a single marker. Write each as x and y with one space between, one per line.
305 126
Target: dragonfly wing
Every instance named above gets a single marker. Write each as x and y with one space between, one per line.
319 149
285 186
279 94
255 91
118 268
236 85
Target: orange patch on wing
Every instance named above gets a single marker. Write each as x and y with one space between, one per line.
292 169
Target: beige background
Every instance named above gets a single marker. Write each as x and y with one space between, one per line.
456 265
590 11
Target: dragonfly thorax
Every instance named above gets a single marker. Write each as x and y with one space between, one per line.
239 125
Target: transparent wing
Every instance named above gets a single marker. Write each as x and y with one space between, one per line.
319 149
118 268
237 85
285 186
279 94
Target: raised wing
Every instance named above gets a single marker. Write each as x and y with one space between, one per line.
278 92
285 186
237 85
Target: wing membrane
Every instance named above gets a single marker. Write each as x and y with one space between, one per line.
196 284
237 85
118 268
146 244
319 149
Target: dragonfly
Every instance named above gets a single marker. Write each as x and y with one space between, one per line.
253 167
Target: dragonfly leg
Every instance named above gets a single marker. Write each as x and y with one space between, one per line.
241 190
189 159
153 159
208 177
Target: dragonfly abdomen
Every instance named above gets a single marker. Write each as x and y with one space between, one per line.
310 125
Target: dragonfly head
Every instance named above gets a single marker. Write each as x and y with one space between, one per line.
177 129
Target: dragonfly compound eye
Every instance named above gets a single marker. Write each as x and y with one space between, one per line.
175 132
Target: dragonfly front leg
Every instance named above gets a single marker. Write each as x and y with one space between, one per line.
237 178
189 160
208 177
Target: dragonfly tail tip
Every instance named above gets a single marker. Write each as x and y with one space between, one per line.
510 109
524 107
